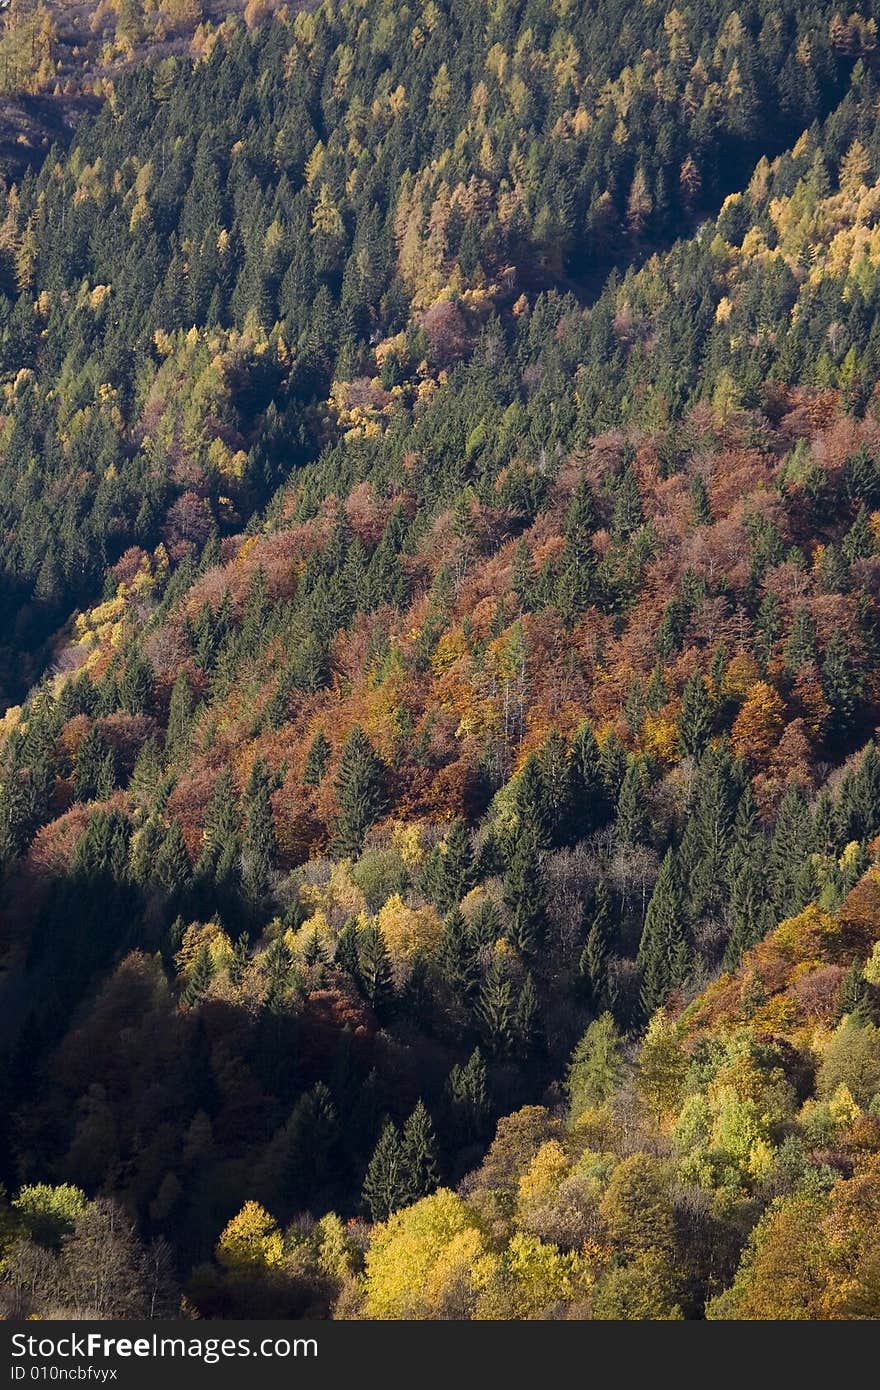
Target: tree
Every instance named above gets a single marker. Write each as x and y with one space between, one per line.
94 772
258 841
589 793
386 1182
374 969
758 726
135 686
661 1067
360 793
102 1264
419 1155
467 1090
842 686
317 760
180 714
695 720
632 804
664 954
173 870
595 955
496 1008
596 1067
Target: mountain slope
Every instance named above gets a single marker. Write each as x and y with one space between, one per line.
475 659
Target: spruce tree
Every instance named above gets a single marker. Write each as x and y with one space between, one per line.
632 804
199 979
664 955
419 1154
374 970
173 870
135 686
789 846
180 713
386 1181
525 894
695 720
589 793
317 760
467 1091
597 949
801 649
258 840
526 1020
360 793
496 1008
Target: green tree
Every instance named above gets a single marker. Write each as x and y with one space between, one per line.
360 793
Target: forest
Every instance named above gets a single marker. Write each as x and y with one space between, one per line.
440 666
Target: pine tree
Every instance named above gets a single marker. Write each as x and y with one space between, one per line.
419 1154
180 713
801 649
595 955
317 760
467 1090
632 804
173 870
135 686
664 955
386 1181
496 1008
374 970
526 1020
695 720
360 793
199 979
589 793
258 841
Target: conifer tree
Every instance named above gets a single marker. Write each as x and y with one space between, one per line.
695 720
173 870
94 773
135 686
589 790
180 713
467 1090
374 970
664 955
597 949
801 649
317 760
632 804
199 979
386 1181
419 1154
360 793
496 1008
258 840
526 1019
